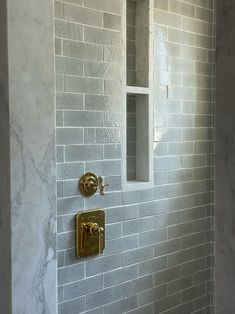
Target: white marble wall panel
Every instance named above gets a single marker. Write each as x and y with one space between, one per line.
32 158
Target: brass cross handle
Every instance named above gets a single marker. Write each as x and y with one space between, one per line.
101 185
89 183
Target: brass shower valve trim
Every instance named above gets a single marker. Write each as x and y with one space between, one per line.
90 233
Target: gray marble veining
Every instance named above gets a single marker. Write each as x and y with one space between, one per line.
225 159
30 121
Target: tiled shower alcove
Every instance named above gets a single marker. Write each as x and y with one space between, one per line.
159 249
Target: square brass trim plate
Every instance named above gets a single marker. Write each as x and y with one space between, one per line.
90 232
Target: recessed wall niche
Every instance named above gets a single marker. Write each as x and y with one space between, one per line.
137 97
137 140
137 42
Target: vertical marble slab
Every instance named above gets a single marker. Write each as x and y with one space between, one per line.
225 158
5 206
32 156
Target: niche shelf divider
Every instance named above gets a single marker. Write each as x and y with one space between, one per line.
137 132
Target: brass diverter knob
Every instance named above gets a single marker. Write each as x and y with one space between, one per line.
89 183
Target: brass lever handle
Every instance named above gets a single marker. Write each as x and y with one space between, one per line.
89 183
93 230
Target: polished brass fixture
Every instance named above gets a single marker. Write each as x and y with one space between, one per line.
89 183
90 233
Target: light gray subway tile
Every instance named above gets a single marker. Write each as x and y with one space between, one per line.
181 37
180 230
122 305
60 294
59 82
152 266
138 255
202 276
60 259
69 101
138 196
68 30
83 85
121 214
147 309
161 4
152 208
112 151
103 297
60 188
178 203
102 36
152 295
204 14
82 50
167 275
59 153
181 8
58 46
68 66
180 257
83 152
73 307
203 250
167 18
108 199
138 225
137 285
89 135
81 15
193 292
180 284
83 287
152 237
77 2
120 276
102 103
202 302
104 5
102 70
57 9
181 309
112 21
104 167
167 247
83 119
103 265
114 183
65 240
113 231
167 219
193 240
121 244
70 170
71 273
65 136
69 205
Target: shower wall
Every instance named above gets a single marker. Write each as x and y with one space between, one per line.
225 158
160 247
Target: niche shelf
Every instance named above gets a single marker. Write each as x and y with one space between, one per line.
137 141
